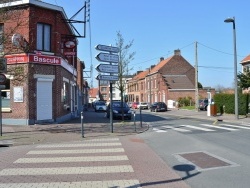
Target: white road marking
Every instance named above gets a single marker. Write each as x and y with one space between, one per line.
72 159
45 152
199 128
177 129
218 127
236 126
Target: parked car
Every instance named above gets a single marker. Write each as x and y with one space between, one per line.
203 103
100 106
135 105
117 107
158 107
142 105
130 104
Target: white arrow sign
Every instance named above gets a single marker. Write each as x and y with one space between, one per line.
107 77
105 57
107 68
107 48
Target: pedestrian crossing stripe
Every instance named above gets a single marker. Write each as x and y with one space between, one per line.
181 128
159 130
72 159
218 127
65 170
84 184
79 145
79 151
177 129
236 126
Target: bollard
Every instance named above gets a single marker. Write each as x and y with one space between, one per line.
140 118
82 124
134 121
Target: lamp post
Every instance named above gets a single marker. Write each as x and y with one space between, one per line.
229 20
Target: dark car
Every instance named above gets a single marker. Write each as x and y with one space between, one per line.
117 107
203 103
158 107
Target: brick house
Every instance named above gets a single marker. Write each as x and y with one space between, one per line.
169 80
44 75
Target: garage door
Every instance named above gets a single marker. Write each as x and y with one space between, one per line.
44 99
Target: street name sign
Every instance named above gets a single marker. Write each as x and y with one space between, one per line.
107 48
107 68
105 57
107 77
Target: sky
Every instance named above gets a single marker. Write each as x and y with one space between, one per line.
159 27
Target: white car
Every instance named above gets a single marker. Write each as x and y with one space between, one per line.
100 106
143 105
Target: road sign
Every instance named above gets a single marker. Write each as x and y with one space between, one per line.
105 57
107 68
3 65
107 48
107 77
2 79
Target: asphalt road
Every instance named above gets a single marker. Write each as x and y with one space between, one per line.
204 153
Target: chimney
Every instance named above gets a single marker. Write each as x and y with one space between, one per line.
177 52
161 59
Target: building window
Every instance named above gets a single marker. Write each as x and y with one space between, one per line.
5 94
43 37
1 39
103 89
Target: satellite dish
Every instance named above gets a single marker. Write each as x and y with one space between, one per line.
18 40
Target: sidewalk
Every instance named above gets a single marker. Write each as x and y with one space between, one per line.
73 130
204 115
94 127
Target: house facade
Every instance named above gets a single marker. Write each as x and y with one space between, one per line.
169 80
44 76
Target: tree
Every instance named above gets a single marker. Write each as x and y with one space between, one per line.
125 57
244 79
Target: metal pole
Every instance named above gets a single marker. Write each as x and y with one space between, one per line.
140 118
196 80
235 68
111 108
1 125
134 121
82 124
235 74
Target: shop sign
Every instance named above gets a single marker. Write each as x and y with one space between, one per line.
17 59
44 59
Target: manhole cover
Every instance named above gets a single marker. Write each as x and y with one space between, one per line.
205 161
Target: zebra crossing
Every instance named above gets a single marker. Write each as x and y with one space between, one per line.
99 163
202 127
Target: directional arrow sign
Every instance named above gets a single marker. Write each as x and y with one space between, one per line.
107 68
107 48
105 57
107 77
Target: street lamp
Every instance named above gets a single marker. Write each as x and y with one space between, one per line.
229 20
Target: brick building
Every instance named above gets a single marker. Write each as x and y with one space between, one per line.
169 80
44 76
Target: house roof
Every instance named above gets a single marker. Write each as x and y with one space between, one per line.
93 92
160 65
246 59
178 82
141 75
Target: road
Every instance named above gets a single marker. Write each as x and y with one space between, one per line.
204 153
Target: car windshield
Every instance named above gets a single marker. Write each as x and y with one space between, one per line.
144 103
119 104
100 103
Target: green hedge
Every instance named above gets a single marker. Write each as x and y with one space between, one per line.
225 103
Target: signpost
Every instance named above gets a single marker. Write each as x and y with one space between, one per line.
107 77
107 68
107 48
112 69
105 57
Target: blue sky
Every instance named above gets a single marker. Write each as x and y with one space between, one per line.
161 26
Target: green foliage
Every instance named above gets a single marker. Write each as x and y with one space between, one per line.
225 103
186 101
200 85
244 79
